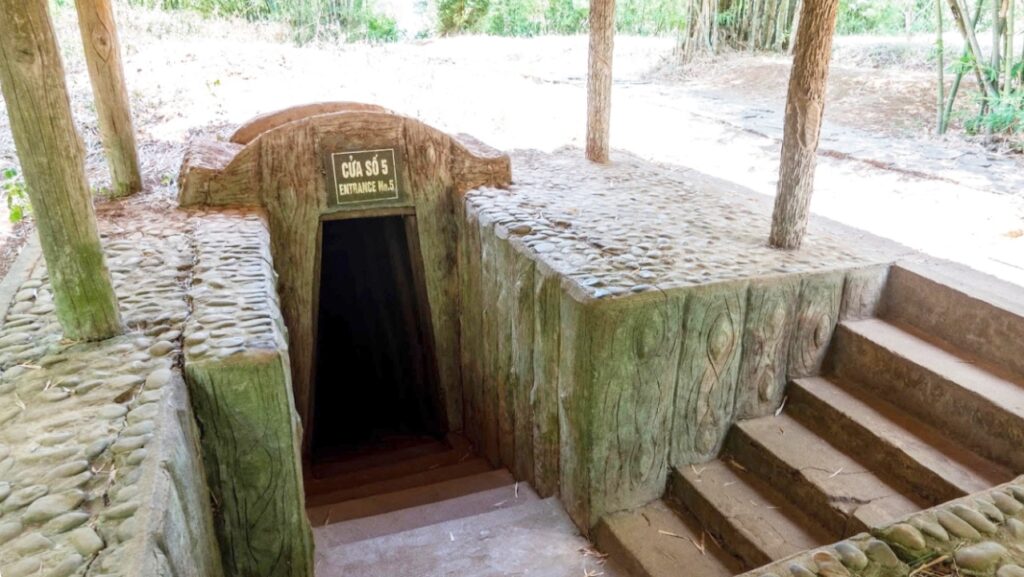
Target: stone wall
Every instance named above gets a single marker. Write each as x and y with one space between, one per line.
980 535
100 471
237 366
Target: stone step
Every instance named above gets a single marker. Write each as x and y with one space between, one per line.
841 494
972 311
408 498
915 454
355 530
375 454
968 400
656 541
751 520
536 539
437 474
326 480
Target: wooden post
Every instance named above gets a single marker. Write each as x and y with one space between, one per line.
805 106
52 160
599 78
103 55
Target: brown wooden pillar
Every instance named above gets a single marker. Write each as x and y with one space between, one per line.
805 106
52 159
103 55
599 78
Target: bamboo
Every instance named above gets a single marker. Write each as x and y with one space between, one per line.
959 73
1008 60
972 44
940 56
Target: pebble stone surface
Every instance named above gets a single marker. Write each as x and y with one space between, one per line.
77 419
632 226
980 535
234 290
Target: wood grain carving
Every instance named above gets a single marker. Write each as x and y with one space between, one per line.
544 394
521 273
471 328
634 352
771 310
817 315
492 279
708 371
497 265
248 132
862 292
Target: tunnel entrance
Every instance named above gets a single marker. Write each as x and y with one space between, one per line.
376 382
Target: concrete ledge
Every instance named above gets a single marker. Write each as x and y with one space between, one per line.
237 366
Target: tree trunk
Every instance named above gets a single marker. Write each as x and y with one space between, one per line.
599 79
805 105
52 159
103 55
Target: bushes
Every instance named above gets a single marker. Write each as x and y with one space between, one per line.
533 17
309 19
455 16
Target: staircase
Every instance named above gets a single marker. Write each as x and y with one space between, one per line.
437 510
919 406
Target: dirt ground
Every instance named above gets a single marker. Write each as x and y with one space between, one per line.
880 168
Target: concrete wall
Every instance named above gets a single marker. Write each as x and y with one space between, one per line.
596 398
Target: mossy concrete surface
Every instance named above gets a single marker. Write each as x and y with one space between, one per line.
236 362
628 315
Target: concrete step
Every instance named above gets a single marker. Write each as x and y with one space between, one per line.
407 498
536 539
510 495
971 402
437 474
751 520
915 454
656 541
972 311
386 466
840 493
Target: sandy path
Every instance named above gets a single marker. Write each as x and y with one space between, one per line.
951 199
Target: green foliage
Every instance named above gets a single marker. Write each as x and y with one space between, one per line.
1004 114
514 18
533 17
456 16
352 20
885 16
565 17
13 188
650 17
